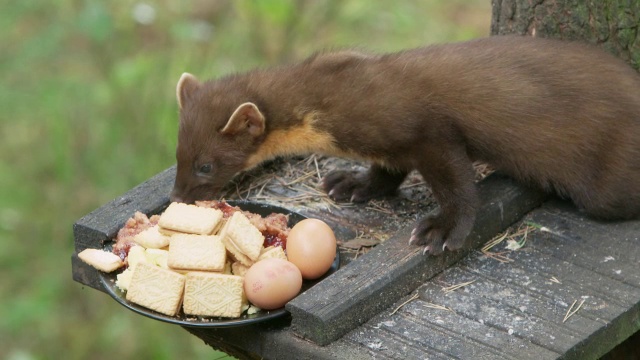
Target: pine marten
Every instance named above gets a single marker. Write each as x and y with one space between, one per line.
562 116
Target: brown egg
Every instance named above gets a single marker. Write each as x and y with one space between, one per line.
271 283
311 246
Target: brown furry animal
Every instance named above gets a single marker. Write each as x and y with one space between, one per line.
562 116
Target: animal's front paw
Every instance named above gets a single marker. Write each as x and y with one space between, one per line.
438 232
346 186
361 186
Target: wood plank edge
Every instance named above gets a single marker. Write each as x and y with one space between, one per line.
85 274
274 342
608 337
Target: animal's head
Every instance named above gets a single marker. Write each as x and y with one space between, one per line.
219 130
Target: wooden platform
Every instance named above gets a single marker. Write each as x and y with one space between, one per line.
391 302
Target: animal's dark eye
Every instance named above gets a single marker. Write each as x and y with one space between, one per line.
205 169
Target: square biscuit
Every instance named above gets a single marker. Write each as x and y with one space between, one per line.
151 238
190 219
211 294
101 260
196 252
236 254
156 288
243 240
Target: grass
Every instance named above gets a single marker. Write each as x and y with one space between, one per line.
89 111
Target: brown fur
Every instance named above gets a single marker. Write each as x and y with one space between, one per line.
558 115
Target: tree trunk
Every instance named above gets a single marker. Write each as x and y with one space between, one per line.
612 24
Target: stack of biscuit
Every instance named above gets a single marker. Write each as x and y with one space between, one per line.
194 259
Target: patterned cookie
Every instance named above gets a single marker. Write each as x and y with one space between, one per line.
156 288
211 294
196 252
243 240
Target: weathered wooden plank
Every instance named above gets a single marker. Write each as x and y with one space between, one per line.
530 275
589 244
579 240
473 334
85 274
448 338
519 298
354 294
543 264
537 297
527 304
508 319
391 344
102 224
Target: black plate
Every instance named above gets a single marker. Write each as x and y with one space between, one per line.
109 284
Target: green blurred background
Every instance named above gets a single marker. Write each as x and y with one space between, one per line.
88 111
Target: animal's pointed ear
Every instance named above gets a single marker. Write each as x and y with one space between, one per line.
186 86
247 117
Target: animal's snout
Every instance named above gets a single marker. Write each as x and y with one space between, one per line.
175 197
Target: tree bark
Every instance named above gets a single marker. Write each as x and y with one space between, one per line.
611 24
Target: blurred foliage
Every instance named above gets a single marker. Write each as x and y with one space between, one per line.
88 100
